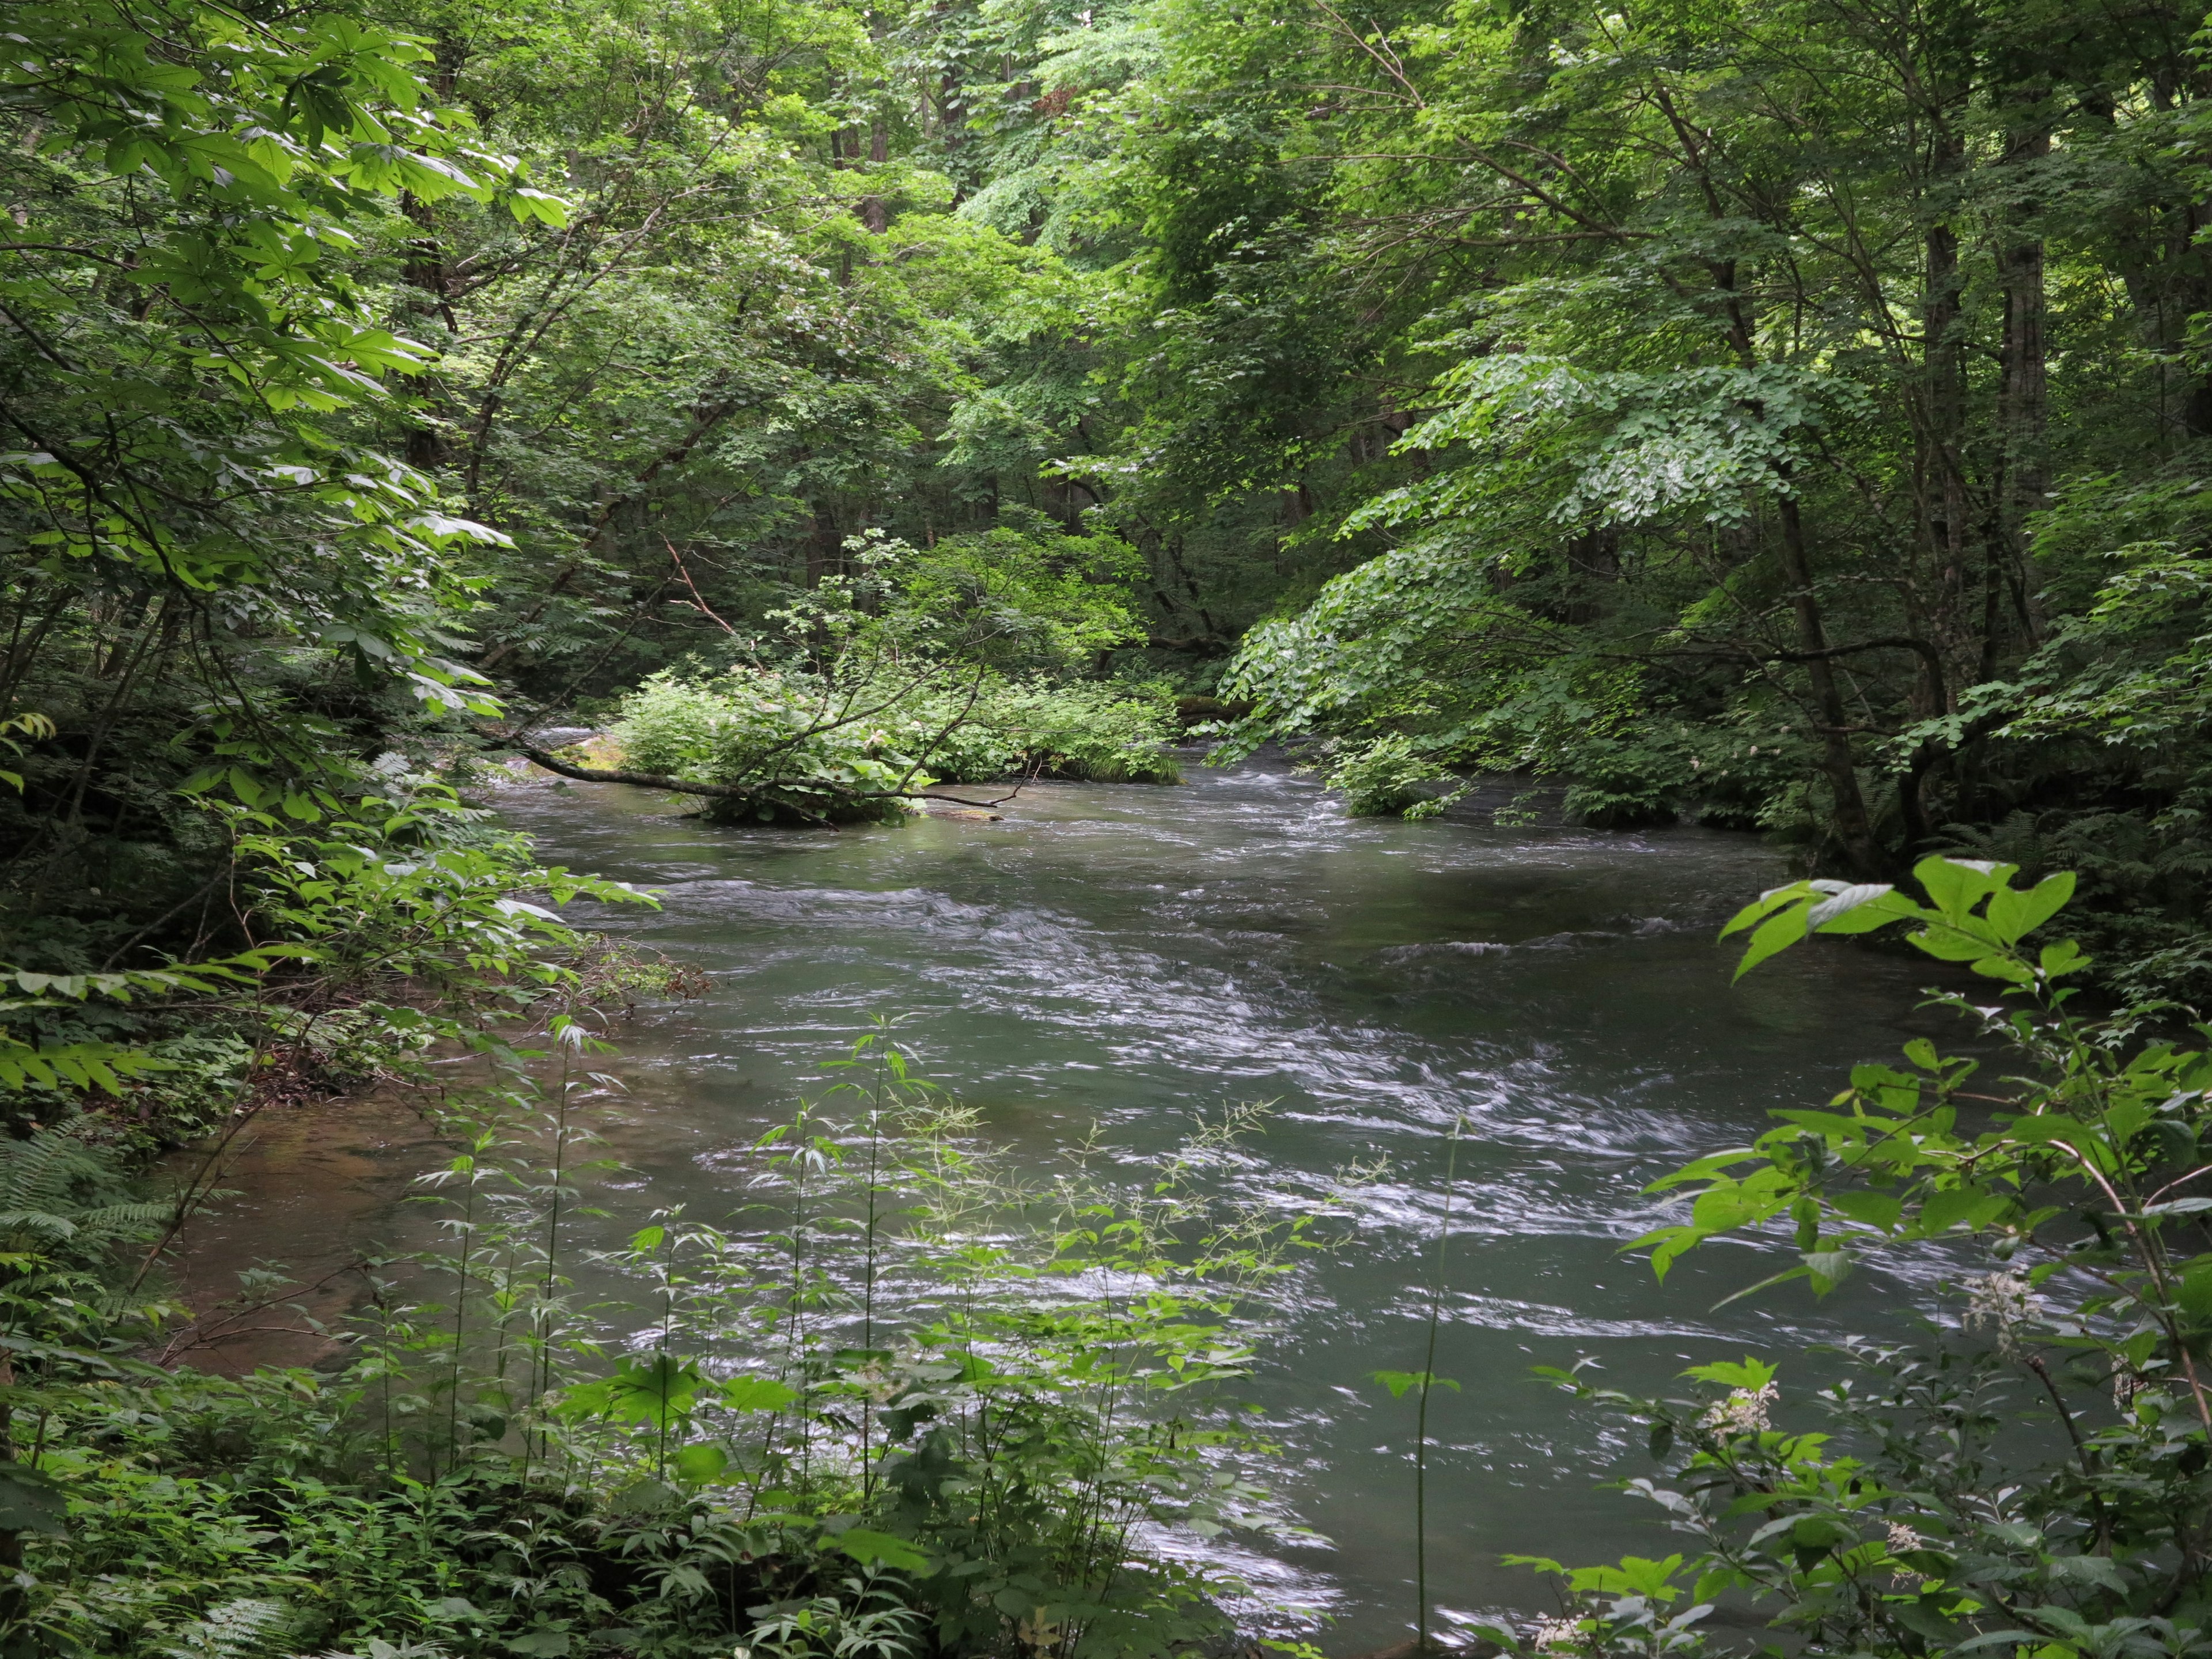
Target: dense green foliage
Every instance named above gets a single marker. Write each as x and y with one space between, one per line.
1785 414
798 746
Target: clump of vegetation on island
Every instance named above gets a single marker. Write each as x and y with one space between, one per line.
881 684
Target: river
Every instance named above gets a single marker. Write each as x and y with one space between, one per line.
1125 955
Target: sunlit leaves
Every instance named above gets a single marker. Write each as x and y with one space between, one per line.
1960 927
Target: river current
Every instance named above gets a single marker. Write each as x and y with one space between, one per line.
1126 955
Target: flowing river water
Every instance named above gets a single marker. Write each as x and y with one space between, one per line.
1125 955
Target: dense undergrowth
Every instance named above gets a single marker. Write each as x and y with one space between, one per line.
851 1420
901 1403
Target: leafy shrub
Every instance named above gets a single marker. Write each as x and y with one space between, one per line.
1387 778
1926 1521
799 751
801 747
1094 731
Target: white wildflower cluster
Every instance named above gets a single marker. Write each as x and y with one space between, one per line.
876 1382
1901 1538
2000 1302
1744 1411
1555 1633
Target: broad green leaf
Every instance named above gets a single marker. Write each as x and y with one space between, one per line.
2015 914
697 1465
31 1501
1746 1373
881 1549
1956 886
756 1394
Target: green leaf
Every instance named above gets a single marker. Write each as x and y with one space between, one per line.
756 1394
881 1549
2063 957
1954 1206
2015 914
1840 904
1828 1268
2194 1294
1767 904
1880 1210
1634 1576
1956 886
1749 1373
30 1501
1400 1382
1777 933
697 1465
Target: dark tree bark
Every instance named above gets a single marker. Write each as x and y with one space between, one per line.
1853 829
2024 392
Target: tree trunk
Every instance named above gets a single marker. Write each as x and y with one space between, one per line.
825 548
873 213
424 271
1941 464
1853 828
2024 392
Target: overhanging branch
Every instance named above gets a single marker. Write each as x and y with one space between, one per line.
553 762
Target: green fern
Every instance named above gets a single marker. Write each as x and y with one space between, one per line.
59 1197
244 1628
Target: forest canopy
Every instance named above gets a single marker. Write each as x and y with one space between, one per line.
1787 415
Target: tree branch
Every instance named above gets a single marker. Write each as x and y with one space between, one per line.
739 790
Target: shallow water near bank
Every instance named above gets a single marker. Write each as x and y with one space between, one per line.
1128 955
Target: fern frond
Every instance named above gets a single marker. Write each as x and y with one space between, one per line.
244 1628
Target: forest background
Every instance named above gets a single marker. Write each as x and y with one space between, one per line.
1783 415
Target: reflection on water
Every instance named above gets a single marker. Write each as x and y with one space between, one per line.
1126 955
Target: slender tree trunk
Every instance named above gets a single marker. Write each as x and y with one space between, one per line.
1592 567
1853 827
2024 394
1941 465
825 548
873 212
424 271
